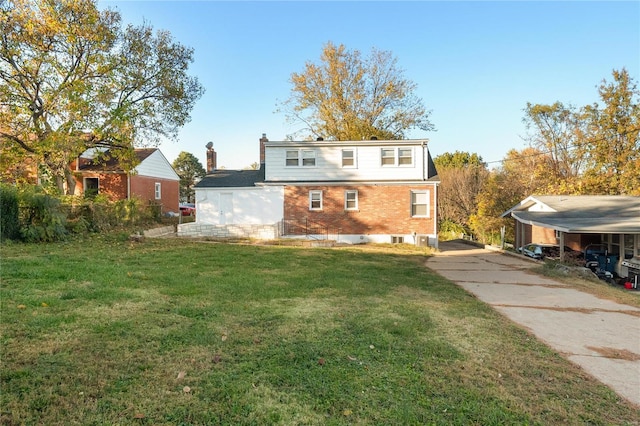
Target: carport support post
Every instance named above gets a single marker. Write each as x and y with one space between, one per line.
561 246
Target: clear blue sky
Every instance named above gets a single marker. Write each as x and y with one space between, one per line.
476 64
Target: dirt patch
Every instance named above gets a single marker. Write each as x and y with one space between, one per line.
615 353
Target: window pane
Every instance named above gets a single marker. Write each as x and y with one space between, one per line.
315 200
308 158
351 200
347 157
419 203
405 156
388 157
292 158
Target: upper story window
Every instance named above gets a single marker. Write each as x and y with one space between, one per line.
348 158
292 158
301 157
308 157
396 156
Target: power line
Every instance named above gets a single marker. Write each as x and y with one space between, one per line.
537 154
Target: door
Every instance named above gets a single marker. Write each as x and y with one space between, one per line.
226 208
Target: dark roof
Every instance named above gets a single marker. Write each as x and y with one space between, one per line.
232 178
580 213
112 164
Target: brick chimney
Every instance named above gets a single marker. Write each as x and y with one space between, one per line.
263 139
212 158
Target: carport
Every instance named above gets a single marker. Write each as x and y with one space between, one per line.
578 220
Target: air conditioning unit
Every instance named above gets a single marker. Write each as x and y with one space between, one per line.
422 240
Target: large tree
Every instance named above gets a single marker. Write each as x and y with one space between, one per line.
190 170
348 97
558 131
613 144
72 78
462 176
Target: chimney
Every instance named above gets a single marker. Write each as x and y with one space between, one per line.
212 158
263 139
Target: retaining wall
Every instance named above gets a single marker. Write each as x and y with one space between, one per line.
261 232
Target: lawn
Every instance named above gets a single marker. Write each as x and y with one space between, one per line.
172 332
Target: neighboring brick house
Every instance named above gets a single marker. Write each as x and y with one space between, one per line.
350 191
153 180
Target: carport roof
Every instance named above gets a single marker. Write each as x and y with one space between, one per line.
580 213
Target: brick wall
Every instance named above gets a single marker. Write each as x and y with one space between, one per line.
382 209
144 188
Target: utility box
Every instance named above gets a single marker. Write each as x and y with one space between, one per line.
422 240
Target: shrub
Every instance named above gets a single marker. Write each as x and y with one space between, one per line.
43 219
9 213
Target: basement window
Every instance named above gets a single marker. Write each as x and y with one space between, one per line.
397 239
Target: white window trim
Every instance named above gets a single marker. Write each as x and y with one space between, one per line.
396 157
311 193
346 207
428 203
355 159
302 157
158 191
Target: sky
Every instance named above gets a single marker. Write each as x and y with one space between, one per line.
476 64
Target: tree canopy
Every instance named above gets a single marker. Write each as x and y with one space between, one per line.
190 170
348 97
72 78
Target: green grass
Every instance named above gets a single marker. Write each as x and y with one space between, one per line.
170 332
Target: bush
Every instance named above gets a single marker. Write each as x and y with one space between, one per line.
43 219
9 213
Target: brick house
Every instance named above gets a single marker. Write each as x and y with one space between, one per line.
349 191
153 180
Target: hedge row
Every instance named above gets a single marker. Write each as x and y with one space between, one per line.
32 216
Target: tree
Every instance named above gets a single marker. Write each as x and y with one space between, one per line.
190 170
558 131
462 177
72 78
347 97
613 145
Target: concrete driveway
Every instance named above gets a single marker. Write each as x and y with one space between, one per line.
600 336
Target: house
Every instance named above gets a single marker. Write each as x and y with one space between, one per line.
153 180
576 221
348 191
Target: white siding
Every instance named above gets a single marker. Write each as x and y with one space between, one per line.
328 165
156 165
251 206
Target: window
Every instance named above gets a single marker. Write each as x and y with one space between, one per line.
405 157
315 200
420 203
158 191
388 156
304 157
292 158
397 239
396 156
348 158
91 187
351 200
308 158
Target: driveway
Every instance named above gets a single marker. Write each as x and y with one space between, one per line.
601 336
